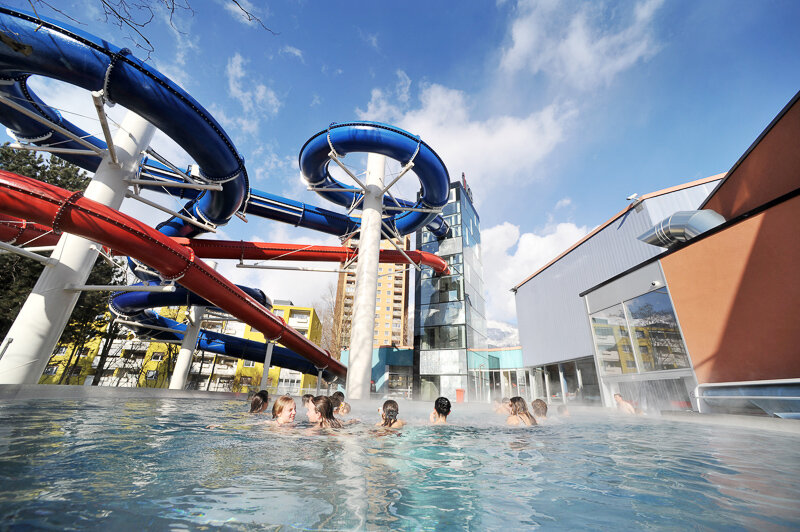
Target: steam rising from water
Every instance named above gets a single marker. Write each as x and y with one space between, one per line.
156 464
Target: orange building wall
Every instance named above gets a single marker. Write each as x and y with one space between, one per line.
737 296
768 171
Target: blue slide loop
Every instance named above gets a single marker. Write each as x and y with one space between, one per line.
72 56
391 141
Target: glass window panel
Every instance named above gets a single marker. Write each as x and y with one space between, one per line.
444 337
659 342
611 339
442 314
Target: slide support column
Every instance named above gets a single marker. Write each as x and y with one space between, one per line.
35 332
359 370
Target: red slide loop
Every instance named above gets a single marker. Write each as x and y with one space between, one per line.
60 214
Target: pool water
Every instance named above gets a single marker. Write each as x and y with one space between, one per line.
139 464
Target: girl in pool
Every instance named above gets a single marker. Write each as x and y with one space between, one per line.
320 413
284 410
389 415
519 413
259 402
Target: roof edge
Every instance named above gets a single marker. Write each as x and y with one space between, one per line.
617 216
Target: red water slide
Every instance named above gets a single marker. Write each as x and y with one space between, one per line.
22 233
70 212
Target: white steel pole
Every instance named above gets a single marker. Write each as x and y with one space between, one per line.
44 315
359 368
267 364
185 356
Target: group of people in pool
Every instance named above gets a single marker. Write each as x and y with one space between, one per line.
516 410
323 410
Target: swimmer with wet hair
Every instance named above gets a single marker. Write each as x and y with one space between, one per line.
338 395
539 408
259 402
441 409
389 415
284 410
519 413
343 409
306 398
320 413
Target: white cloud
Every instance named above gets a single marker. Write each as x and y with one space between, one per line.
370 38
498 150
574 43
501 334
509 256
291 50
260 96
563 202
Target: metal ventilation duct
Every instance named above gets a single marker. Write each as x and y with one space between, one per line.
680 227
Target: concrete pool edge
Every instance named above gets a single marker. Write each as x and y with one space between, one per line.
10 392
789 426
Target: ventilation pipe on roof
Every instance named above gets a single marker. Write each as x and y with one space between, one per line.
680 227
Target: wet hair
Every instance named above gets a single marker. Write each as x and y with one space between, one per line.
307 398
344 408
390 411
442 406
504 400
324 407
280 403
520 408
259 402
539 408
335 401
340 395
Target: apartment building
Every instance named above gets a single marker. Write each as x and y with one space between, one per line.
391 302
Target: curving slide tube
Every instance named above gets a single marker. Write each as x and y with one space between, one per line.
36 46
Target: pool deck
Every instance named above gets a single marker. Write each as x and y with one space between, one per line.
9 392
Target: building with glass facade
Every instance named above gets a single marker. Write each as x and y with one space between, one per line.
449 313
675 316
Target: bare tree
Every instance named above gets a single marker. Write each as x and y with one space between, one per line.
331 325
134 16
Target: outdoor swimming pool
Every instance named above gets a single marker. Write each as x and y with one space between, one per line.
130 464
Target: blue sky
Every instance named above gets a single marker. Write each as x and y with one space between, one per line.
556 111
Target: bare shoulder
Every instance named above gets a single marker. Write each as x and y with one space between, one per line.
512 420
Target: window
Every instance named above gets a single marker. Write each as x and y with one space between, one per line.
661 346
610 330
246 381
151 375
61 350
278 312
157 356
52 369
248 364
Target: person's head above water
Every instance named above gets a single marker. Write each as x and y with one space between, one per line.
284 410
320 412
338 395
259 402
389 413
539 408
441 409
519 408
307 398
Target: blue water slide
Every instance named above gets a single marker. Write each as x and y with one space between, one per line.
393 142
70 55
135 306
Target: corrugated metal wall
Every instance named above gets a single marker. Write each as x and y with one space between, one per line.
551 318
